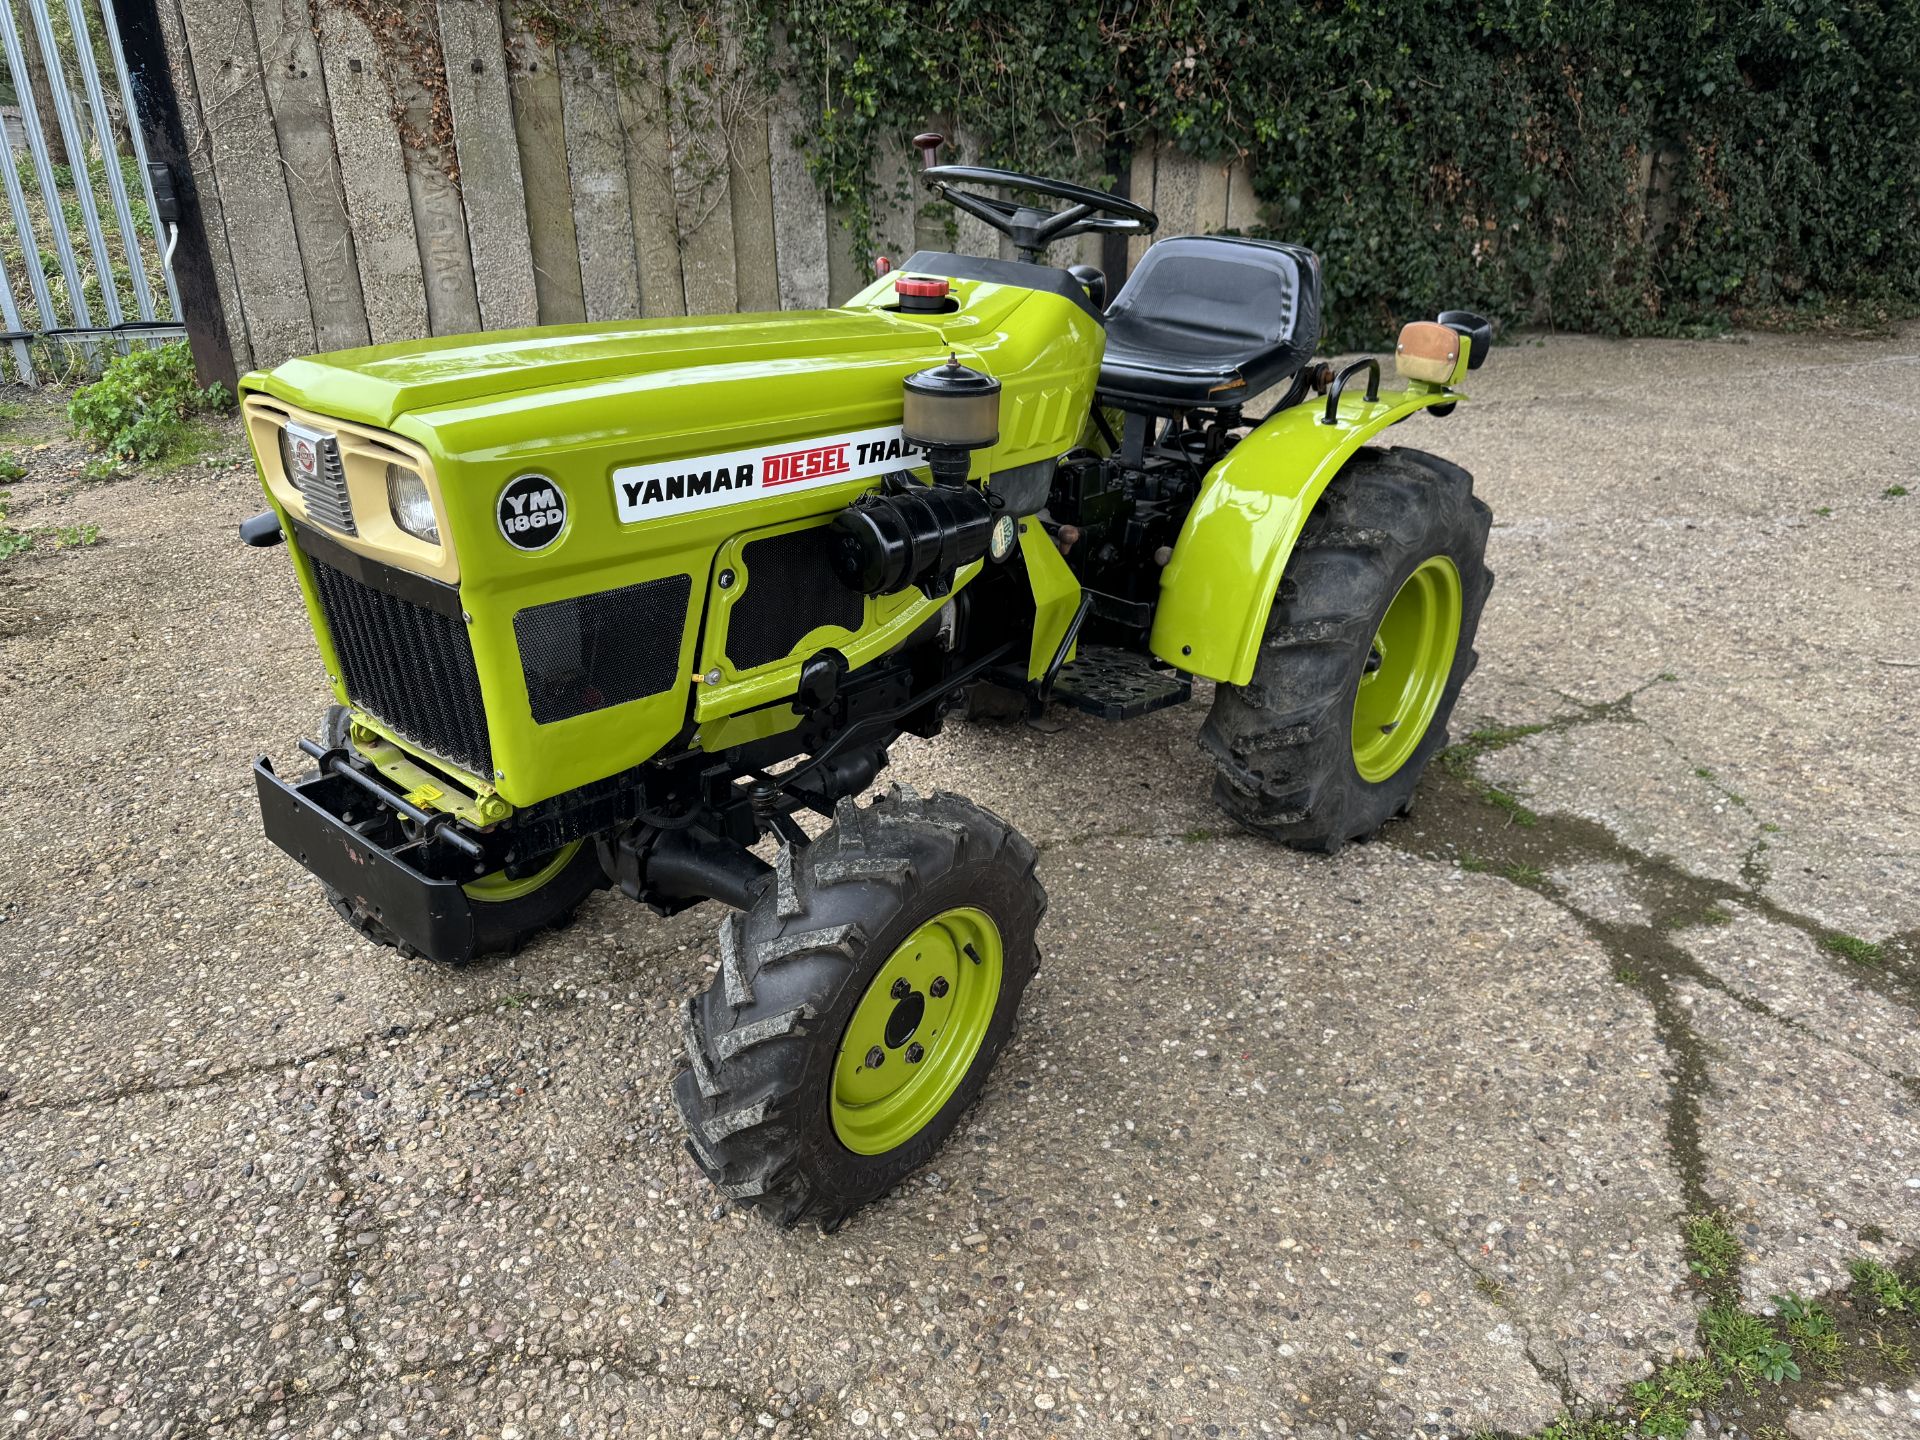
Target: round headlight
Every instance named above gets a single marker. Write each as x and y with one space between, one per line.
411 505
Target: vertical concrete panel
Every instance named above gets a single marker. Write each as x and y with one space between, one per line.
1140 185
755 271
271 288
893 202
703 191
490 183
297 91
1243 206
539 132
799 216
1178 183
1211 182
971 236
656 228
846 269
440 224
374 172
597 163
206 184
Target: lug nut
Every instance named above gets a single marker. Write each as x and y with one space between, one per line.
901 989
874 1057
939 986
914 1052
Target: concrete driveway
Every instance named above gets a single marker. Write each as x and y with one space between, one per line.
1409 1142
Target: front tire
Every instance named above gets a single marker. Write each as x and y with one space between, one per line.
1366 648
507 911
860 1005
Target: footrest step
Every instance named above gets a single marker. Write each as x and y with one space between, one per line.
1118 684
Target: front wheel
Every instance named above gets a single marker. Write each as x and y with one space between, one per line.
860 1005
1369 641
508 910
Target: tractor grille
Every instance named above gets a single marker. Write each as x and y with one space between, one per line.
791 589
598 650
408 665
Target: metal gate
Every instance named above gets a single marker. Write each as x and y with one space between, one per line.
86 263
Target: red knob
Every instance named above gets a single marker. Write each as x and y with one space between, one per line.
928 143
927 287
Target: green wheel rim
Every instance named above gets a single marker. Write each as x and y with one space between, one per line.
922 1020
1406 673
497 888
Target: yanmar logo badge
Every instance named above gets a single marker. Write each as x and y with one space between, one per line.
679 487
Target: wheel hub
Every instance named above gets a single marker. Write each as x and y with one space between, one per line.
915 1032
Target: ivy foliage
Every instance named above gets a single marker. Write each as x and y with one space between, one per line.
1625 166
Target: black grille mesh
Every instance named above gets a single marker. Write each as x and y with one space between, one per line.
606 649
410 666
791 589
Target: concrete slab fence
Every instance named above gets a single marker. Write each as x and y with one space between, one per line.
369 173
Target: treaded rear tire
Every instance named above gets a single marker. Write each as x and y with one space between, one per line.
1282 745
762 1039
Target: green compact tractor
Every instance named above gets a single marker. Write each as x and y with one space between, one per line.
610 605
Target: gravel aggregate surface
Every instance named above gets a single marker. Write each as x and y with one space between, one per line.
1394 1144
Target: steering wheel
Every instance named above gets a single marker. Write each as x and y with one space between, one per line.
1031 228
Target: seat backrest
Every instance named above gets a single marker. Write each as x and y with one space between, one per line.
1216 295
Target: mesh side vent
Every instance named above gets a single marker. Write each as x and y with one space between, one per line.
409 666
791 589
598 650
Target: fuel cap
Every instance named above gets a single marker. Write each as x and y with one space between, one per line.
922 294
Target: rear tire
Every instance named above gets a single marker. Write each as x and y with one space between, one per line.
778 1045
502 925
1292 760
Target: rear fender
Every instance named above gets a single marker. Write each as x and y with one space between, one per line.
1218 588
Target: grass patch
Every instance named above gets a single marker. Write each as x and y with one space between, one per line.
1852 947
1713 1252
1824 511
11 469
142 407
1523 874
15 541
1894 492
1517 812
1458 758
1200 836
1746 1347
10 413
1884 1288
1490 1290
1811 1330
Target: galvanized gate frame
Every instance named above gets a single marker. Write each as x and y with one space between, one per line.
77 326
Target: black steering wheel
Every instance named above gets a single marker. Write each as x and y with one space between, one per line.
1031 228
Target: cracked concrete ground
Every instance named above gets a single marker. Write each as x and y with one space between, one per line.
1394 1144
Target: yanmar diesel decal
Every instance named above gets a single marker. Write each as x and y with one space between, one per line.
679 487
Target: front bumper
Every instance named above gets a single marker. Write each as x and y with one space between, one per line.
329 822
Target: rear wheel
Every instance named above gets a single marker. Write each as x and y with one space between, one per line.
1367 646
860 1005
508 910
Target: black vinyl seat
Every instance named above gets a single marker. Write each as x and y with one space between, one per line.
1210 320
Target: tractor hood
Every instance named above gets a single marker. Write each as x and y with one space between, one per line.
376 385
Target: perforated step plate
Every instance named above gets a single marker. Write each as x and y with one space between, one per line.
1118 684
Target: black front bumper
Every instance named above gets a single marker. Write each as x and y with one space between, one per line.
323 822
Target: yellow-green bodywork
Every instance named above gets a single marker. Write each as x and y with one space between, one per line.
573 403
1218 588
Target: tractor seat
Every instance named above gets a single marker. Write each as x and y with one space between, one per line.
1209 321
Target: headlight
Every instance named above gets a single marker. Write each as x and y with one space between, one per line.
412 506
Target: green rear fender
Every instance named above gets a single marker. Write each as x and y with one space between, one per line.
1218 588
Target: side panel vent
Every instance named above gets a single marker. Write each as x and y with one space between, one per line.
598 650
791 589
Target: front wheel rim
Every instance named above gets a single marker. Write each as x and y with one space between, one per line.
915 1034
498 888
1407 668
